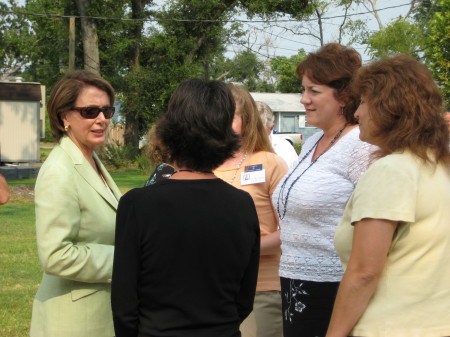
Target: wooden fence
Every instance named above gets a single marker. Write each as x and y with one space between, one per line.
115 134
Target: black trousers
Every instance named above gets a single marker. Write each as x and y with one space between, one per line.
307 307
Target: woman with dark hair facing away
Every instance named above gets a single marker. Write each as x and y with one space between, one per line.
76 201
311 198
187 247
255 168
394 237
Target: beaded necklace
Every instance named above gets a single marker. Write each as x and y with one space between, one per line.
284 201
238 167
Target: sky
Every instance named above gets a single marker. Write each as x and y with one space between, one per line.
286 43
283 39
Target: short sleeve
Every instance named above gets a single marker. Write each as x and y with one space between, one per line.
386 191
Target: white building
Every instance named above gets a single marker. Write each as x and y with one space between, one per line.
290 115
21 121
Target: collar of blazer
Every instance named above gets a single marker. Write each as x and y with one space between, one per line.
87 172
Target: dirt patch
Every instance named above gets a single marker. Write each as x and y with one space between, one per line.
22 192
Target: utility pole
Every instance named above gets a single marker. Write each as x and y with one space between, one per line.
71 44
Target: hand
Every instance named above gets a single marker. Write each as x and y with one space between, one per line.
4 190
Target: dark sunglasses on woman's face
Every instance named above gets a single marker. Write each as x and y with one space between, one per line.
91 112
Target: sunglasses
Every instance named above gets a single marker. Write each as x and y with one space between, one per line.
91 112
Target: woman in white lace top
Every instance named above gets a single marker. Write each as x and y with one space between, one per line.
311 198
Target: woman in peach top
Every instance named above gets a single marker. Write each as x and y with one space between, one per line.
256 169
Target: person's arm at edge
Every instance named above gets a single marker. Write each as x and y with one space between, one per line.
270 244
371 243
124 287
4 190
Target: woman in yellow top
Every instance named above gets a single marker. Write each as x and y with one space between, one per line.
256 169
394 237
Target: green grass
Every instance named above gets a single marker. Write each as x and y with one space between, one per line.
20 272
127 179
46 148
19 268
27 182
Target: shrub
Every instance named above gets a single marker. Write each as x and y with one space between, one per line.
144 165
118 155
298 148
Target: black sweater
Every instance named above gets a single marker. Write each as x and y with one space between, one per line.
186 260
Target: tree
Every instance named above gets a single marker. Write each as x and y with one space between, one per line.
134 90
274 8
437 50
188 47
17 40
245 68
284 68
49 58
89 36
400 36
177 51
145 63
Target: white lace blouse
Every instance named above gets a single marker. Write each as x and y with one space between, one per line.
315 204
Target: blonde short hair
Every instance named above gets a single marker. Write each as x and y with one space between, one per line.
266 114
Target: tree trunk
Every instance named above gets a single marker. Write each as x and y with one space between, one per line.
374 10
89 37
131 135
342 25
319 22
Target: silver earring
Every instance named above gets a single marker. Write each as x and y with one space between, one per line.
342 110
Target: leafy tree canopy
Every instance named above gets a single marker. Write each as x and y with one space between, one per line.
400 36
437 44
284 68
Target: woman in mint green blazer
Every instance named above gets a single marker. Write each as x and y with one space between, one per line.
76 201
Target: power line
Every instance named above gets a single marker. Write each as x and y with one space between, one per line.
196 20
282 37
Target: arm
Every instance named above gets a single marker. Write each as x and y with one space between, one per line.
74 225
371 242
4 190
124 287
270 244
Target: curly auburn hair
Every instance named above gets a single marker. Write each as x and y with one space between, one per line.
65 93
196 132
254 134
334 65
154 149
406 106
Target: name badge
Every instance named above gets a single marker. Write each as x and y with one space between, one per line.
253 174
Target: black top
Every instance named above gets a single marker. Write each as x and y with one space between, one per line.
186 259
